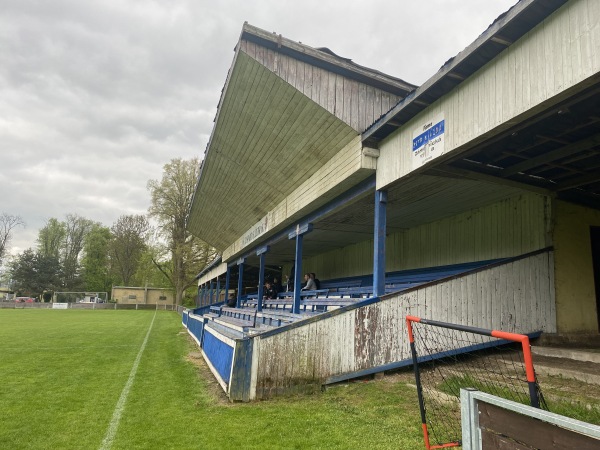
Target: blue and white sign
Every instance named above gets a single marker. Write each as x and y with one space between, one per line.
428 142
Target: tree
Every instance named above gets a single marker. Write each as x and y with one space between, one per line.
7 224
51 238
33 273
127 245
147 273
77 228
171 199
64 241
95 261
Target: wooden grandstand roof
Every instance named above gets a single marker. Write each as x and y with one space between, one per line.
282 115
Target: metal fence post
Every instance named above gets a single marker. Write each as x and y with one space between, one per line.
471 434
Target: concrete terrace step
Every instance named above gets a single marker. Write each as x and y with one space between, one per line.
575 354
576 363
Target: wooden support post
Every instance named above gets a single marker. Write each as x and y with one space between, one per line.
298 234
262 252
379 241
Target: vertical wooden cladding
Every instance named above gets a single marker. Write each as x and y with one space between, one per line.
561 52
355 103
503 429
510 227
516 297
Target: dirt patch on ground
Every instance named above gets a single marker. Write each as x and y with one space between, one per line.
555 388
213 388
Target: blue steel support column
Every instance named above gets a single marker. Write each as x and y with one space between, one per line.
379 250
218 296
262 252
198 296
212 292
297 274
227 279
240 264
298 234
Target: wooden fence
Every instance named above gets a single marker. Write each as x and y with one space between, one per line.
490 423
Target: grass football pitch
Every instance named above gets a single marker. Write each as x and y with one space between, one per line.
78 379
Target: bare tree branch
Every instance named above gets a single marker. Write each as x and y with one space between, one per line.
7 224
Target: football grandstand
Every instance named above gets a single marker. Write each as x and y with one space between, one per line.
473 199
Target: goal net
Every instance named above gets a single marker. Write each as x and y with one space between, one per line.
448 357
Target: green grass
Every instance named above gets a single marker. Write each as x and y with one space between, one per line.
62 373
452 385
581 406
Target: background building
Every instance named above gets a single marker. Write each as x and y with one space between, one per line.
142 295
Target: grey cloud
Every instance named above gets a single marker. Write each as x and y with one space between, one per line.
96 96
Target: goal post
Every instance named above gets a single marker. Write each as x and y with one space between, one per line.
80 297
447 357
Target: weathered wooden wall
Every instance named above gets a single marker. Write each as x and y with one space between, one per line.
516 297
510 227
218 271
357 104
561 52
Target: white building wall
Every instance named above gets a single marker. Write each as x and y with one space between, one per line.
561 52
510 227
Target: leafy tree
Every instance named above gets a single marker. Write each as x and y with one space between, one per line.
7 224
64 241
77 228
171 198
147 273
33 273
127 245
51 238
95 261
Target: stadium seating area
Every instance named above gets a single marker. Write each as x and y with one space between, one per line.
246 320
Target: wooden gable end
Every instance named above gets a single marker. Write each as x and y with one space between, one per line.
357 104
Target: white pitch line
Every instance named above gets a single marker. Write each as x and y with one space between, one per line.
62 347
116 418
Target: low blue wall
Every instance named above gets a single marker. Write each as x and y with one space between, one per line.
195 328
219 354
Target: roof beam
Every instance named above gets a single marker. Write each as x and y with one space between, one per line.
551 156
454 172
579 181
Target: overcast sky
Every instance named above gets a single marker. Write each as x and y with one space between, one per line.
97 95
